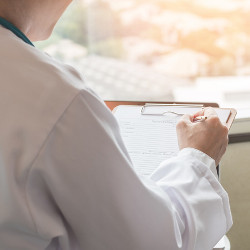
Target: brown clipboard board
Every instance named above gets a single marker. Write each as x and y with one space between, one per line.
113 104
231 117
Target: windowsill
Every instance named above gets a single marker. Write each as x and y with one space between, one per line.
243 113
240 130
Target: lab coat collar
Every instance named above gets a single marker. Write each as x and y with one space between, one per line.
6 24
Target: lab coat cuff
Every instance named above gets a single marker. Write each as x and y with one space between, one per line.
199 155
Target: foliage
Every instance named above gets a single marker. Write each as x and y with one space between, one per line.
108 48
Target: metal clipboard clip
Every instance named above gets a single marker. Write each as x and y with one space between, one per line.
148 105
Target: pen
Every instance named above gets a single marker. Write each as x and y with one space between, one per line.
200 118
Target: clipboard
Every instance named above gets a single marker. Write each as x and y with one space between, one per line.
113 104
132 118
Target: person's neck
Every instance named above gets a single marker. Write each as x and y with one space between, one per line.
20 22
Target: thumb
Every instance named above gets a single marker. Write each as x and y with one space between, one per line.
210 112
199 113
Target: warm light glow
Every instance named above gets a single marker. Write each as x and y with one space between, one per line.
175 38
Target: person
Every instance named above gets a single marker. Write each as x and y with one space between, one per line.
66 179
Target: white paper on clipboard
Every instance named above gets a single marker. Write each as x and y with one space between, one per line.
151 139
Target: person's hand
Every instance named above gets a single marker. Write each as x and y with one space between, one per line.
209 136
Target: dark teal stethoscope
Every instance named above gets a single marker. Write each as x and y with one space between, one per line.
6 24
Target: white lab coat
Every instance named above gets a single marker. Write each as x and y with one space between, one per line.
66 179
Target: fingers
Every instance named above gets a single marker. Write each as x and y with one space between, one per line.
209 136
199 113
205 112
213 117
210 112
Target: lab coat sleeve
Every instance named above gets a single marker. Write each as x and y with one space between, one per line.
83 190
200 196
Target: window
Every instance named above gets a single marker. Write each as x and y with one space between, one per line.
159 50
